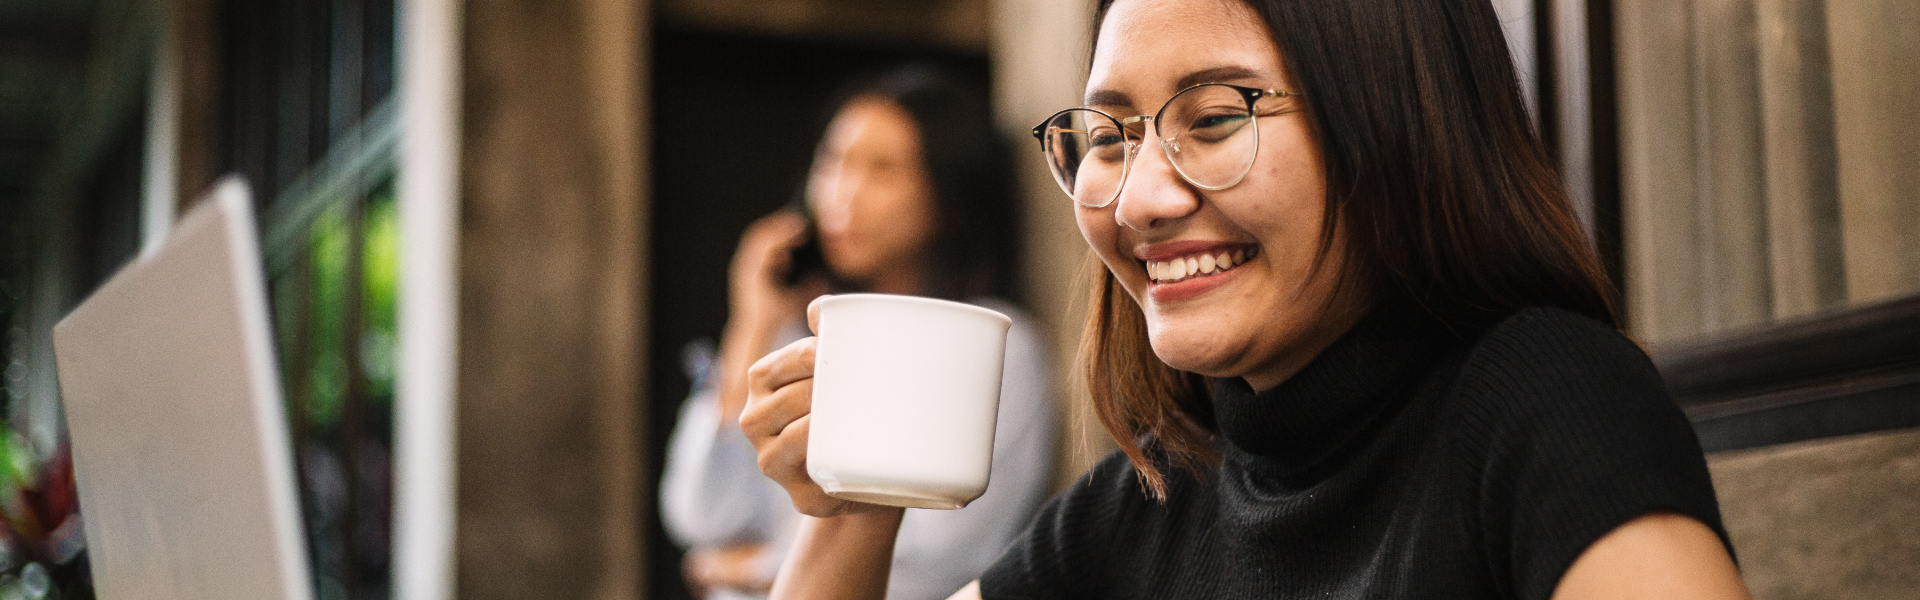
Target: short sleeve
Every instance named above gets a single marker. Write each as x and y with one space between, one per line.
1580 437
1062 554
711 489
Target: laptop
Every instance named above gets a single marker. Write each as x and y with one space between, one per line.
173 405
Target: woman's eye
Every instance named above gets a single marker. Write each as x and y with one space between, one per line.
1217 126
1109 146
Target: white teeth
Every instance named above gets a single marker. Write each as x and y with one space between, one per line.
1190 266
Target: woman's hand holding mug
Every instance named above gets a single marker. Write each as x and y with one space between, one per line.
903 392
778 418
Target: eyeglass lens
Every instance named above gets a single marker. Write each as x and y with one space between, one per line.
1206 132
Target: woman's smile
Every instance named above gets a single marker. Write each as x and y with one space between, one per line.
1178 271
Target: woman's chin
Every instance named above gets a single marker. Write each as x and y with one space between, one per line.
1201 354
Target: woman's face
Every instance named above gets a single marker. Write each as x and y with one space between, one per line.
1261 319
869 192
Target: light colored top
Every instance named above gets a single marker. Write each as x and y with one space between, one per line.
712 493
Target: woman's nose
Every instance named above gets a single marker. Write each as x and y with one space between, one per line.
1154 192
841 188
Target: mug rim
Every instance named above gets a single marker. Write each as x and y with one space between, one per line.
931 302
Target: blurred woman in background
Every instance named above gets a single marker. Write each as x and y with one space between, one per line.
908 194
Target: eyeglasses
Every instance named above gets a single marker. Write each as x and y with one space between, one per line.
1209 132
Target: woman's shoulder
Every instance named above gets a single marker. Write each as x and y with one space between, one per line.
1573 434
1541 345
1549 327
1552 363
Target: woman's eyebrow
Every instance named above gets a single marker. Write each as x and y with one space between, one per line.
1220 74
1107 98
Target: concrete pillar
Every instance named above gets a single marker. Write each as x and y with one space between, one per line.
551 306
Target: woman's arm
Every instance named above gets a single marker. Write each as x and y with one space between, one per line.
844 557
1661 555
846 550
758 304
734 567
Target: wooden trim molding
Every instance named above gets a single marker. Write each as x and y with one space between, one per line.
1850 371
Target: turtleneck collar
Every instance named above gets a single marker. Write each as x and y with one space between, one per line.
1307 417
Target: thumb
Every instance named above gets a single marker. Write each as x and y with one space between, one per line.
813 313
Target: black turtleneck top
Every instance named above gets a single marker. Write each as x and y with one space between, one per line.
1406 461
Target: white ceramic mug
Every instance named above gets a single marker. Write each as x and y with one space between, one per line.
905 392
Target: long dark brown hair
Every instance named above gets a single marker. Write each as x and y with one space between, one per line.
1446 195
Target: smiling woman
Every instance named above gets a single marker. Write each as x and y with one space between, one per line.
1350 339
1445 198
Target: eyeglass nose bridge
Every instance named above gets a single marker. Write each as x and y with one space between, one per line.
1135 134
1136 137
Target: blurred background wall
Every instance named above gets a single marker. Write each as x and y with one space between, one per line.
493 229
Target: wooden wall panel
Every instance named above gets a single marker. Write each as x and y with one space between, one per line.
1803 211
1731 178
1659 167
1876 98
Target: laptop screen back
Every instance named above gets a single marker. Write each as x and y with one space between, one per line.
173 405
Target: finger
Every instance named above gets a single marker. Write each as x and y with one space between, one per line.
790 363
693 568
813 313
785 462
769 416
791 226
783 229
784 458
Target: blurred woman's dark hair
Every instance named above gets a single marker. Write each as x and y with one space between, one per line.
976 222
1448 198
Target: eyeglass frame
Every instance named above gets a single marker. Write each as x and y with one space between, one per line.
1250 94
